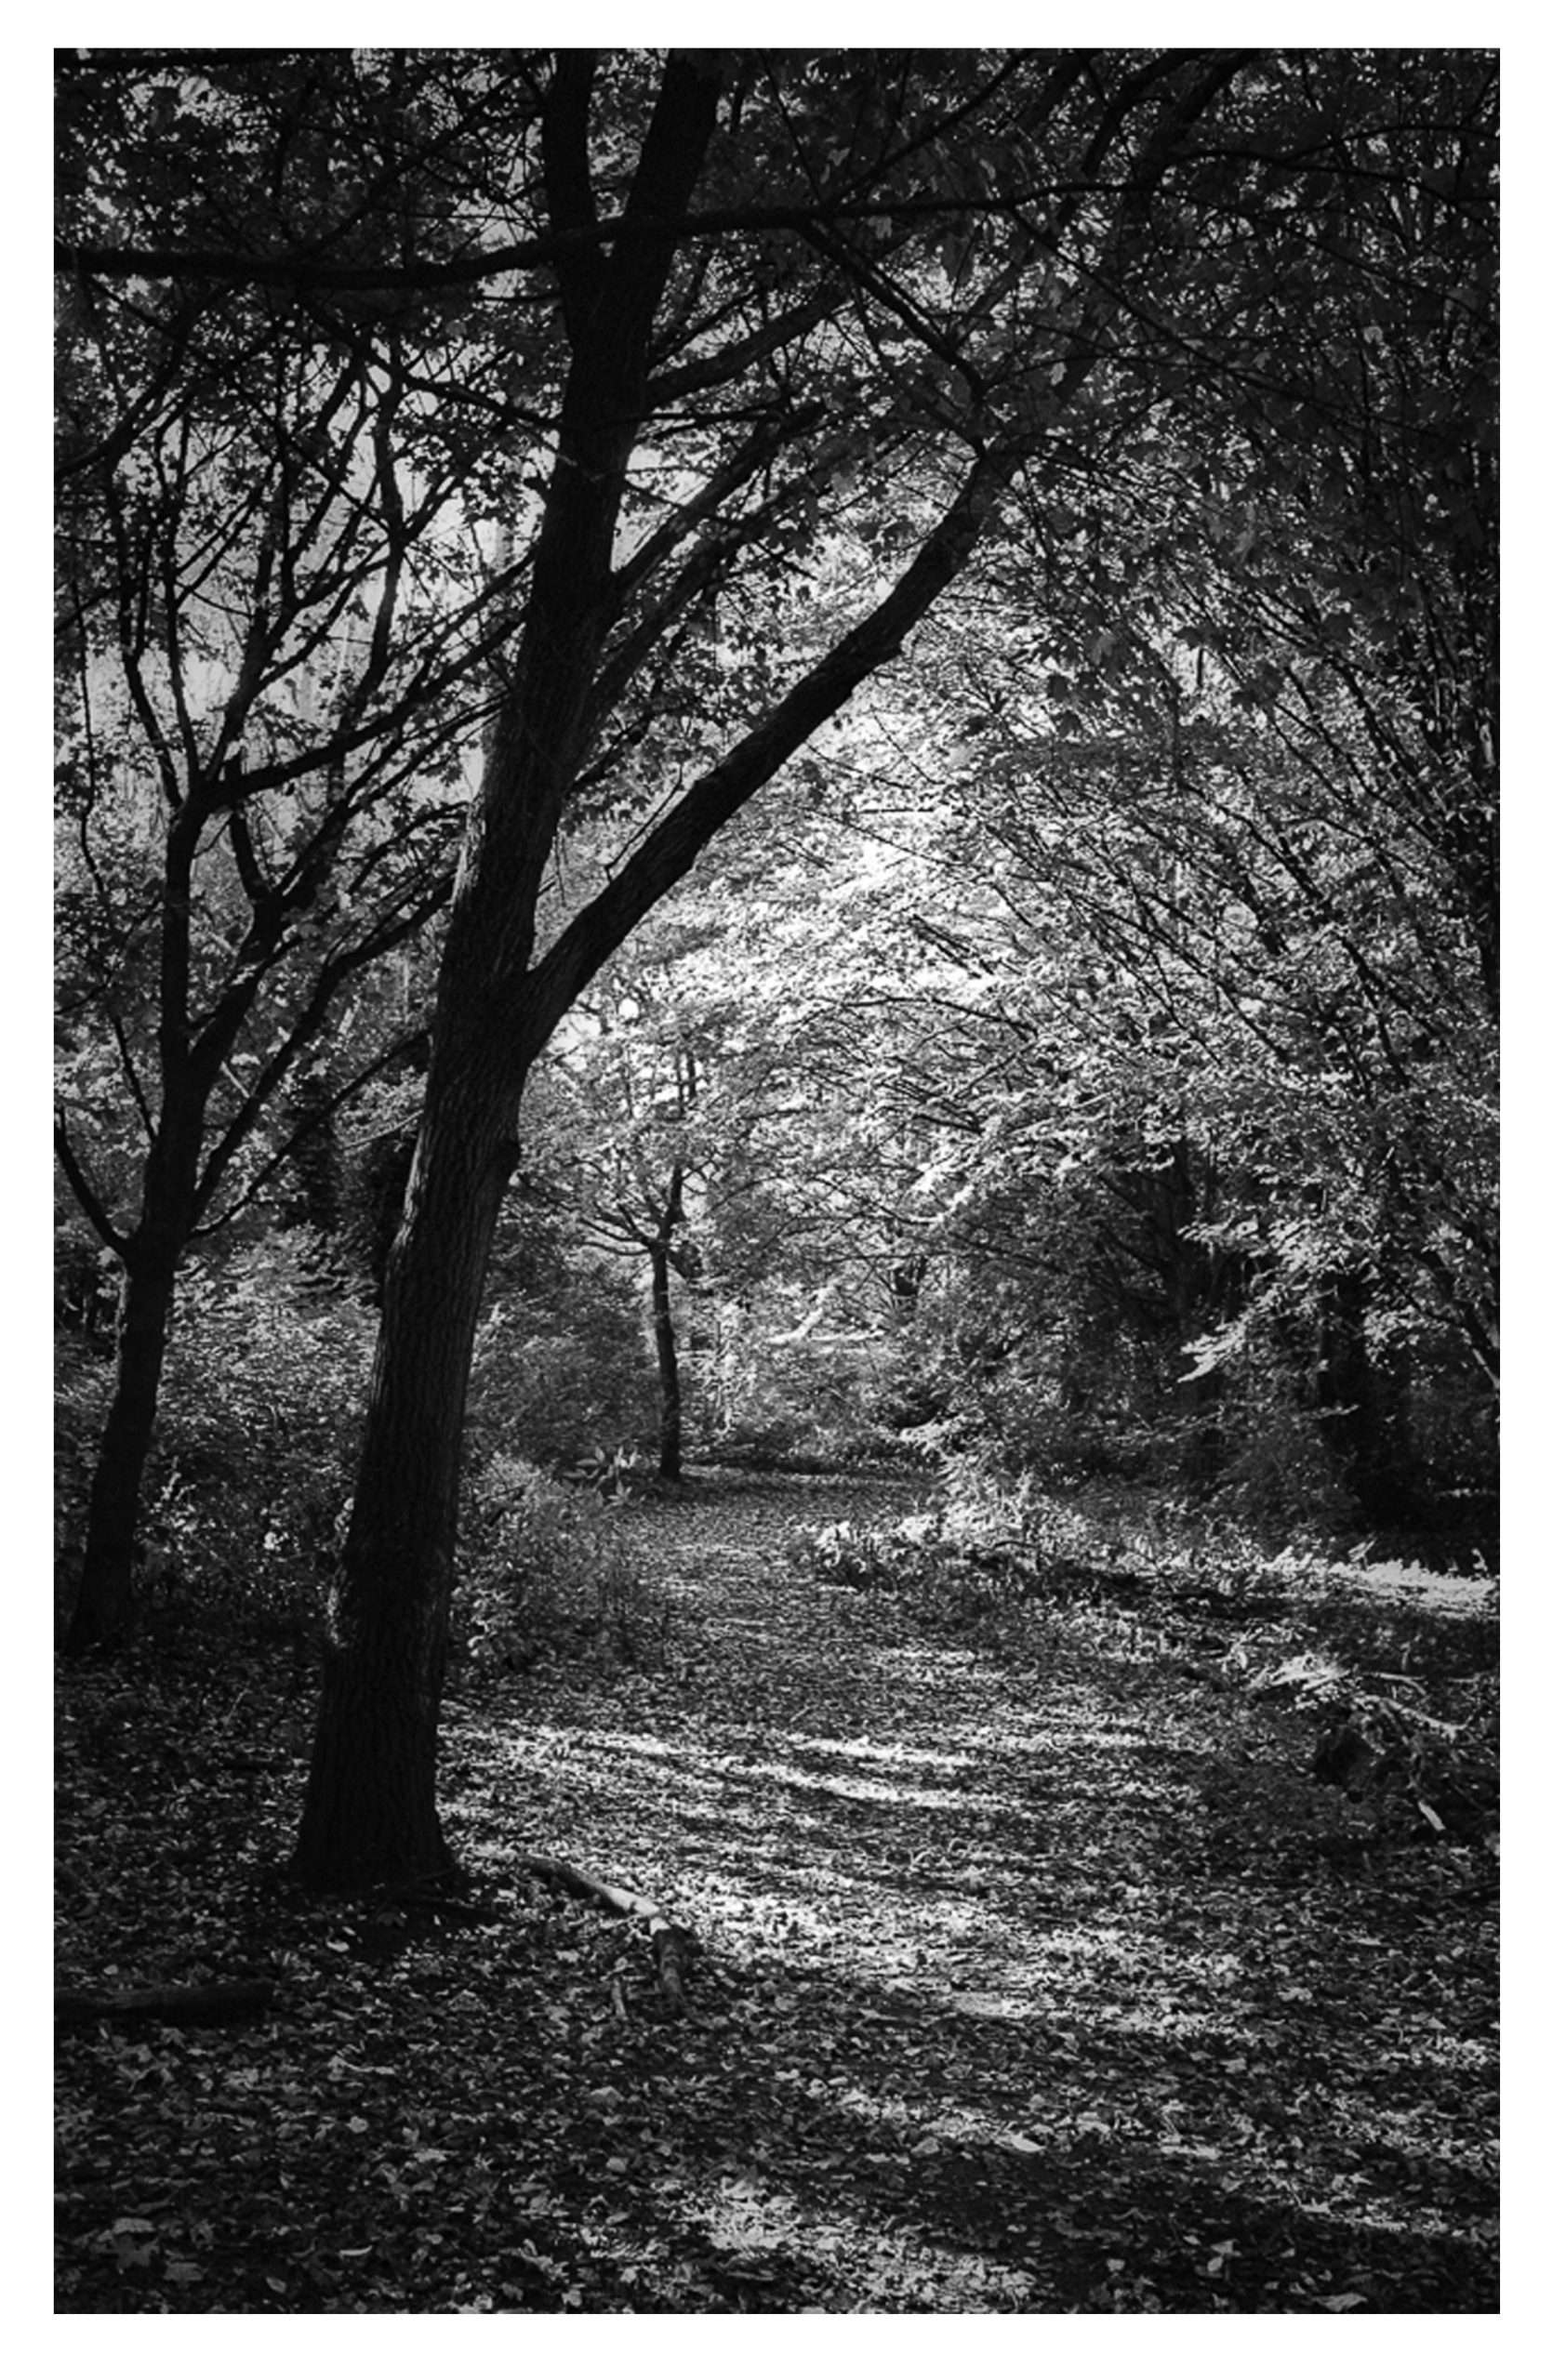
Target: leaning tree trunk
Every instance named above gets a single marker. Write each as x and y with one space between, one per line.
370 1815
370 1809
103 1596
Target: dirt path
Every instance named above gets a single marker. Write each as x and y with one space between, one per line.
1027 1982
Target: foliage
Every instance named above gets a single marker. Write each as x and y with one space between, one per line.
547 1575
559 1371
262 1393
250 1478
779 1379
80 1389
975 1551
252 1467
1401 1688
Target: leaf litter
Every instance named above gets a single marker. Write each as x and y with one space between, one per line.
1034 1975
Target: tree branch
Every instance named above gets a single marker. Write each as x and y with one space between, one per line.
85 1195
300 273
673 847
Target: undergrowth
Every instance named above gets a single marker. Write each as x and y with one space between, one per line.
547 1573
1397 1682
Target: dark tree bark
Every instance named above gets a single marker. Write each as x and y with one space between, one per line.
310 1120
150 1255
659 1247
668 1368
1365 1421
372 1784
103 1600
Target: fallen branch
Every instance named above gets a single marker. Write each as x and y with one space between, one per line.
672 1945
194 2004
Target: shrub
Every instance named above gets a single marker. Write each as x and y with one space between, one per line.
978 1560
86 1288
81 1393
263 1391
551 1386
547 1573
252 1471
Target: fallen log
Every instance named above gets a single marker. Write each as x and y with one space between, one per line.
672 1945
193 2003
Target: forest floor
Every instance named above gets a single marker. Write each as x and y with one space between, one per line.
1033 1975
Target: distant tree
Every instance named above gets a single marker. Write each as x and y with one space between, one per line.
634 1078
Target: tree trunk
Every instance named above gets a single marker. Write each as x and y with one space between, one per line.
668 1364
194 2004
103 1598
370 1812
370 1804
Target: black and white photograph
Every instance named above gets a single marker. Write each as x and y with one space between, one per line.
776 981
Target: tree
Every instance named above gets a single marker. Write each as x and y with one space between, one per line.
636 1076
274 629
685 1098
370 1809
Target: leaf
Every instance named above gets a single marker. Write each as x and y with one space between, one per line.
1344 2303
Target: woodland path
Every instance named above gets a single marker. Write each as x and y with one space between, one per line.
1031 1979
1033 1975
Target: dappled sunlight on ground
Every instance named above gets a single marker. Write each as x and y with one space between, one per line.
1022 1983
